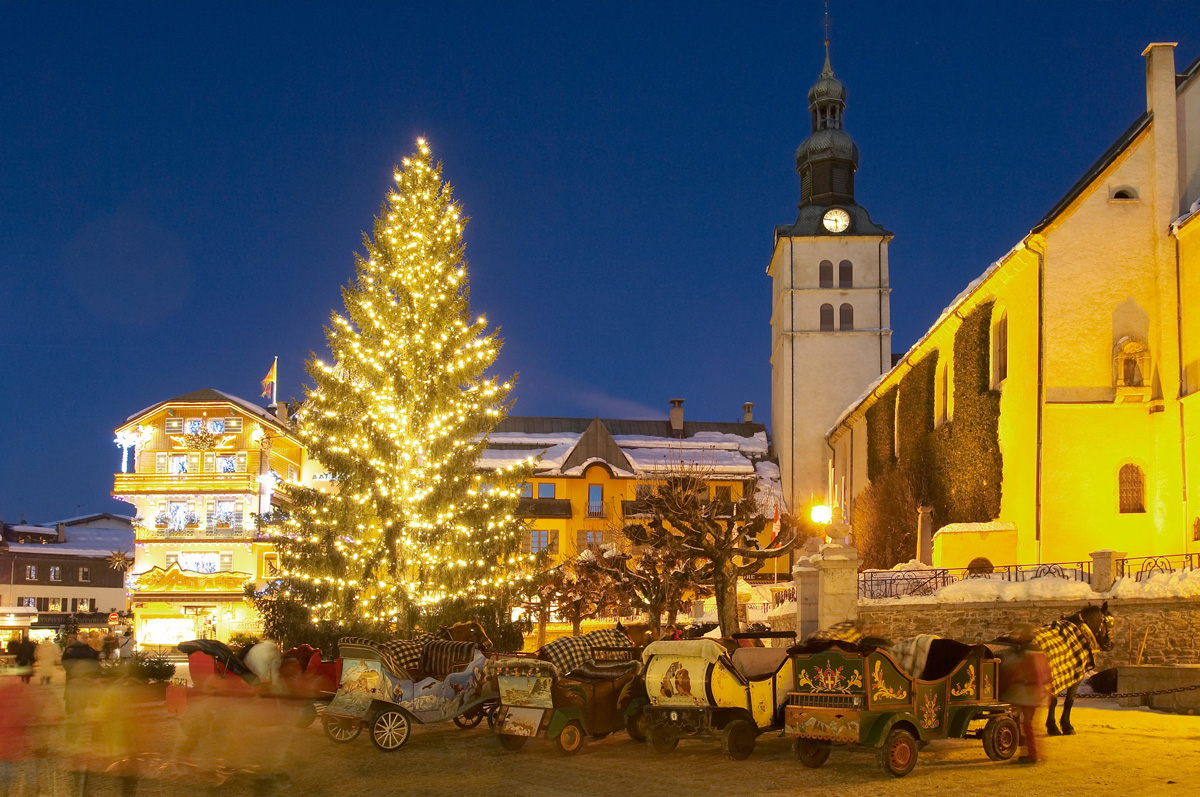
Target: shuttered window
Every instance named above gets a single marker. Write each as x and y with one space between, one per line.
241 462
162 463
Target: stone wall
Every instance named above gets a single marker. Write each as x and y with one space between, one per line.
1159 631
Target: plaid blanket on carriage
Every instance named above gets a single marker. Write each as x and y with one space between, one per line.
1069 650
404 654
568 652
440 657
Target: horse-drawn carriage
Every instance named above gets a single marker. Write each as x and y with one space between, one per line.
700 687
576 687
849 694
293 684
391 685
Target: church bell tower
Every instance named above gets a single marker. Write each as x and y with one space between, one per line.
830 316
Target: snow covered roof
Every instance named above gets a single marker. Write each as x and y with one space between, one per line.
87 541
567 446
208 395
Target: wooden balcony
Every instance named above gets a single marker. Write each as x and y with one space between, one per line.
126 483
246 532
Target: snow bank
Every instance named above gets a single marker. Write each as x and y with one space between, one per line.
1179 584
785 609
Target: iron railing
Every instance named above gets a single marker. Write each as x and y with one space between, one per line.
876 584
783 596
596 509
1143 567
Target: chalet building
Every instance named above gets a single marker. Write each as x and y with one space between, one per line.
1053 409
196 469
71 567
591 472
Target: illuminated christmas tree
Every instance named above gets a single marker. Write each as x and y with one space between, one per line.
411 531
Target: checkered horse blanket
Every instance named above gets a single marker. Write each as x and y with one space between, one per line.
442 657
568 652
404 655
1069 648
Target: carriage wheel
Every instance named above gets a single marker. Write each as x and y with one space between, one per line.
390 730
811 752
341 729
737 739
304 715
570 740
898 755
510 742
1000 738
635 726
662 740
492 711
470 719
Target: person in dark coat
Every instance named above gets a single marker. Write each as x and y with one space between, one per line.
82 663
26 654
1025 682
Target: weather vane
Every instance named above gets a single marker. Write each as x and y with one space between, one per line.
826 24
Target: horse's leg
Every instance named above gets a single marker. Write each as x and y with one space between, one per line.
1068 701
1051 727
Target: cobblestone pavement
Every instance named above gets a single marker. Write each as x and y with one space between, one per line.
1125 752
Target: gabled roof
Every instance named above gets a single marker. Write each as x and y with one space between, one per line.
121 520
597 442
208 395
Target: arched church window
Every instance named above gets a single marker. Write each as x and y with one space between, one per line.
827 318
826 274
845 274
846 317
1131 489
1132 363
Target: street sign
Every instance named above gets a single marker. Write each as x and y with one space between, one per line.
112 619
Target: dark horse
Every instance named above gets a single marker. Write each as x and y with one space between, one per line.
470 631
1070 645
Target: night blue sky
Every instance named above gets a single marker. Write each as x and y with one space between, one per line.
183 187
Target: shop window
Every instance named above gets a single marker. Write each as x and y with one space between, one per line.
1131 489
825 274
198 561
827 318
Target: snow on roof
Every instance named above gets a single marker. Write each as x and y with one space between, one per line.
581 467
975 528
26 529
121 520
205 396
716 440
531 439
96 542
717 460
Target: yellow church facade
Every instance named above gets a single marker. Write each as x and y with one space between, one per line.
1052 410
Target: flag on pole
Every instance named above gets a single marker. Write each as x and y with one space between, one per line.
268 383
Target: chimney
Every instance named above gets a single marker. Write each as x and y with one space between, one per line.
748 412
281 412
676 416
61 528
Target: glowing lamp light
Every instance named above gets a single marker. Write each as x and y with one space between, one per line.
821 514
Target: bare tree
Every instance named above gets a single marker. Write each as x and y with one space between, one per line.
721 535
654 578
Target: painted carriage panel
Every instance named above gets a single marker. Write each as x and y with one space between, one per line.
522 720
832 672
822 723
931 708
362 681
728 688
964 682
678 681
886 684
762 702
989 680
526 690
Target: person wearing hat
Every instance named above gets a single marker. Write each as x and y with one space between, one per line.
1025 682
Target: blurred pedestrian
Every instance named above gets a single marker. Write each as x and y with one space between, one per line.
1025 683
94 641
49 657
26 655
82 663
108 646
125 645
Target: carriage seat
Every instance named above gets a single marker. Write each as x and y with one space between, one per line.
945 656
605 670
757 662
441 657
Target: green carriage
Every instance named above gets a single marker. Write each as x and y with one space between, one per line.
860 696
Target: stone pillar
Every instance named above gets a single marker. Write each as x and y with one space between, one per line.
1104 569
805 577
925 535
837 577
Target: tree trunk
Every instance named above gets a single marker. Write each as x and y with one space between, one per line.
576 622
673 615
725 584
654 620
541 628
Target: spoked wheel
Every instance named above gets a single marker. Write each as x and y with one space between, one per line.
510 742
635 726
811 752
469 719
737 739
898 755
493 711
570 740
662 740
390 730
1000 738
341 729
